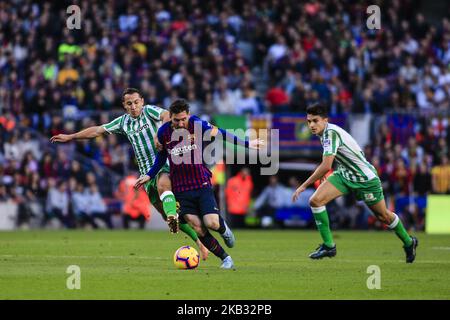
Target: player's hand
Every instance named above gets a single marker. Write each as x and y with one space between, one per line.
61 138
158 144
256 144
141 181
297 193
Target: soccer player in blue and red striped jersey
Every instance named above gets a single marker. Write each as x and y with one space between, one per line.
182 141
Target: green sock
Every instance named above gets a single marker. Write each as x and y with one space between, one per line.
170 209
323 224
169 203
400 231
189 231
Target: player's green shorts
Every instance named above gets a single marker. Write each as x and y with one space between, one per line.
370 192
151 187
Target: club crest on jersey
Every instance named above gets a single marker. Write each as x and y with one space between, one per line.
369 197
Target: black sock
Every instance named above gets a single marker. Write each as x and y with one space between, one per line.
213 245
222 227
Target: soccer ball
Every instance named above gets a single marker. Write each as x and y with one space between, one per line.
186 257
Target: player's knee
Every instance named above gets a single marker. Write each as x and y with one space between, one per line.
315 201
212 224
163 184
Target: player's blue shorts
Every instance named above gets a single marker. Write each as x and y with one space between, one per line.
198 202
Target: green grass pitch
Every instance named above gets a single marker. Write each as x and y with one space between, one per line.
270 265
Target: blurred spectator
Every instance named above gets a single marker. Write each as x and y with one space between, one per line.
238 193
12 148
267 203
27 144
4 195
135 203
97 208
422 180
411 218
80 205
88 206
277 100
224 100
76 171
47 166
58 204
441 176
247 103
303 199
351 213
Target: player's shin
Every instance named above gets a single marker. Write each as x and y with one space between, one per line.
186 228
213 245
400 230
222 226
323 225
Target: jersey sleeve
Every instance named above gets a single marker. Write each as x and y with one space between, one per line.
331 143
205 125
153 112
160 135
114 126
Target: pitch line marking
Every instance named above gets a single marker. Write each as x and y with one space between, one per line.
81 257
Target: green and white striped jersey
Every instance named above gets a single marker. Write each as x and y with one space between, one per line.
140 132
352 163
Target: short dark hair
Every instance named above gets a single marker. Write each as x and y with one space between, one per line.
317 109
179 106
130 91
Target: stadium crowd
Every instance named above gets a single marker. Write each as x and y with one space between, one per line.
226 57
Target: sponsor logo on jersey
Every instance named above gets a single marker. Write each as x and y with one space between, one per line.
145 126
177 151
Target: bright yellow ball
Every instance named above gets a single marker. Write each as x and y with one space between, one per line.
186 257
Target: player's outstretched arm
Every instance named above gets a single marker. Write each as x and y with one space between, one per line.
252 144
89 133
321 170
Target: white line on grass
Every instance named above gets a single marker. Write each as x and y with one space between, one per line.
80 257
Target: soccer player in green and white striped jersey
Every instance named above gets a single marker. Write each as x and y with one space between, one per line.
353 174
140 124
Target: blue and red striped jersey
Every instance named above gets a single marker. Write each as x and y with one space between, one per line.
184 148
